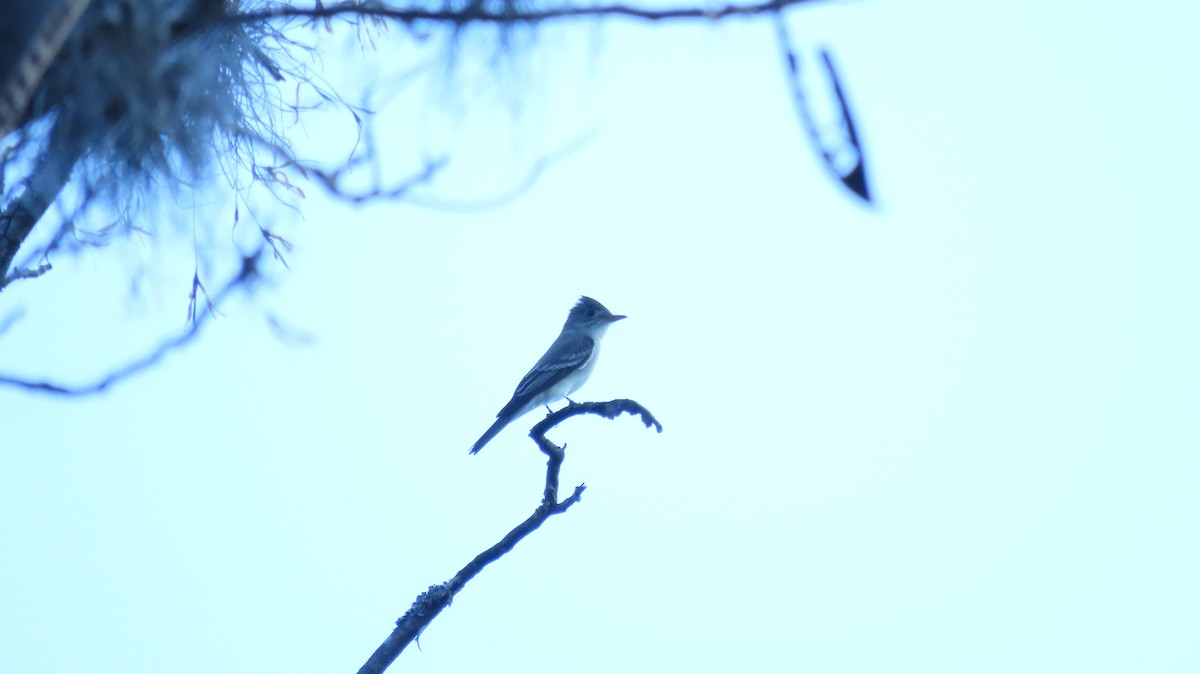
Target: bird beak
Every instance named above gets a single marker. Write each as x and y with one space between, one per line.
614 319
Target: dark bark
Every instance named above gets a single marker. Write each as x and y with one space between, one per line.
22 212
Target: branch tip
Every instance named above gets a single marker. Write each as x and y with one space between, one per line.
18 274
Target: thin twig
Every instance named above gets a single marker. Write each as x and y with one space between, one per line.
527 182
247 274
855 179
332 180
25 273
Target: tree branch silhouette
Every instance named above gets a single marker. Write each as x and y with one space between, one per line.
431 602
850 173
107 135
507 14
854 178
197 320
523 186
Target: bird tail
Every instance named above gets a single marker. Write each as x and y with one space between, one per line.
490 433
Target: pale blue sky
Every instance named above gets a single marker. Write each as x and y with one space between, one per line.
954 433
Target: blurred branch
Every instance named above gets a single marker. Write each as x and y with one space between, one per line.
845 162
245 276
33 272
332 180
507 14
34 32
431 602
854 179
11 320
536 169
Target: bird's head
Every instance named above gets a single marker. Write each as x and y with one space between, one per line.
588 314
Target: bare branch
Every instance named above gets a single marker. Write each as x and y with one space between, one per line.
25 273
609 410
536 169
11 320
854 179
431 602
331 181
505 15
194 297
246 275
275 241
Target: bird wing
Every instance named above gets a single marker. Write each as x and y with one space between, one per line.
568 353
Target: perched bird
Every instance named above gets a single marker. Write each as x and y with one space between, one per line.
563 369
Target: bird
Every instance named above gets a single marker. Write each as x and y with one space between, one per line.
562 370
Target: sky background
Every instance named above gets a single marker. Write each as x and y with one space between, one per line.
955 432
